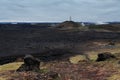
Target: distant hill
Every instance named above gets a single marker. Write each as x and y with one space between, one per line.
68 25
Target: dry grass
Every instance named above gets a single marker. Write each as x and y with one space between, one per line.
10 66
109 70
114 77
2 78
76 59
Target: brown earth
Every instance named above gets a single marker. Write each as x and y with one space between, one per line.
67 71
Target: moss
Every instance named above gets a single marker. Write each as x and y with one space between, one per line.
77 58
10 66
44 71
114 77
93 57
2 78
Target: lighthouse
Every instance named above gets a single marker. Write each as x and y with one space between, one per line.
70 18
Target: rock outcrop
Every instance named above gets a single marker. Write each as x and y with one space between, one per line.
30 64
105 56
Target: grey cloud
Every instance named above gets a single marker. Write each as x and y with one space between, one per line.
58 10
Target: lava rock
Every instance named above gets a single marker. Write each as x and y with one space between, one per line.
30 64
104 56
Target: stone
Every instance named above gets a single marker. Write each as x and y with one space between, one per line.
105 56
30 64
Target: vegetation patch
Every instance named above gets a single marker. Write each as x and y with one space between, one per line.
76 59
92 57
10 66
114 77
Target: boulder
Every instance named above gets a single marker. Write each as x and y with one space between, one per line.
30 64
105 56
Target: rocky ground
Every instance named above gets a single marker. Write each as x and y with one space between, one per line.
74 57
67 71
76 67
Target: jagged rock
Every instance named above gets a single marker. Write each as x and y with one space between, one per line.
104 56
30 64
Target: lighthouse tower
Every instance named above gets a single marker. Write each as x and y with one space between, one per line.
70 18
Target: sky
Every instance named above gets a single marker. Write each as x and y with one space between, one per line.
59 10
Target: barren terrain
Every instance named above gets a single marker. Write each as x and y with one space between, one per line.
70 53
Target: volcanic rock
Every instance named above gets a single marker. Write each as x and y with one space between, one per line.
105 56
30 64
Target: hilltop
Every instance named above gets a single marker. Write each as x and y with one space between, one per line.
68 25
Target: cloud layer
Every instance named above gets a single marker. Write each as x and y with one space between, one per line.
59 10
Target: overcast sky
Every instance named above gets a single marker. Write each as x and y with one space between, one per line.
59 10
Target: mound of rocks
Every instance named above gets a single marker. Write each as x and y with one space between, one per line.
105 56
30 64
